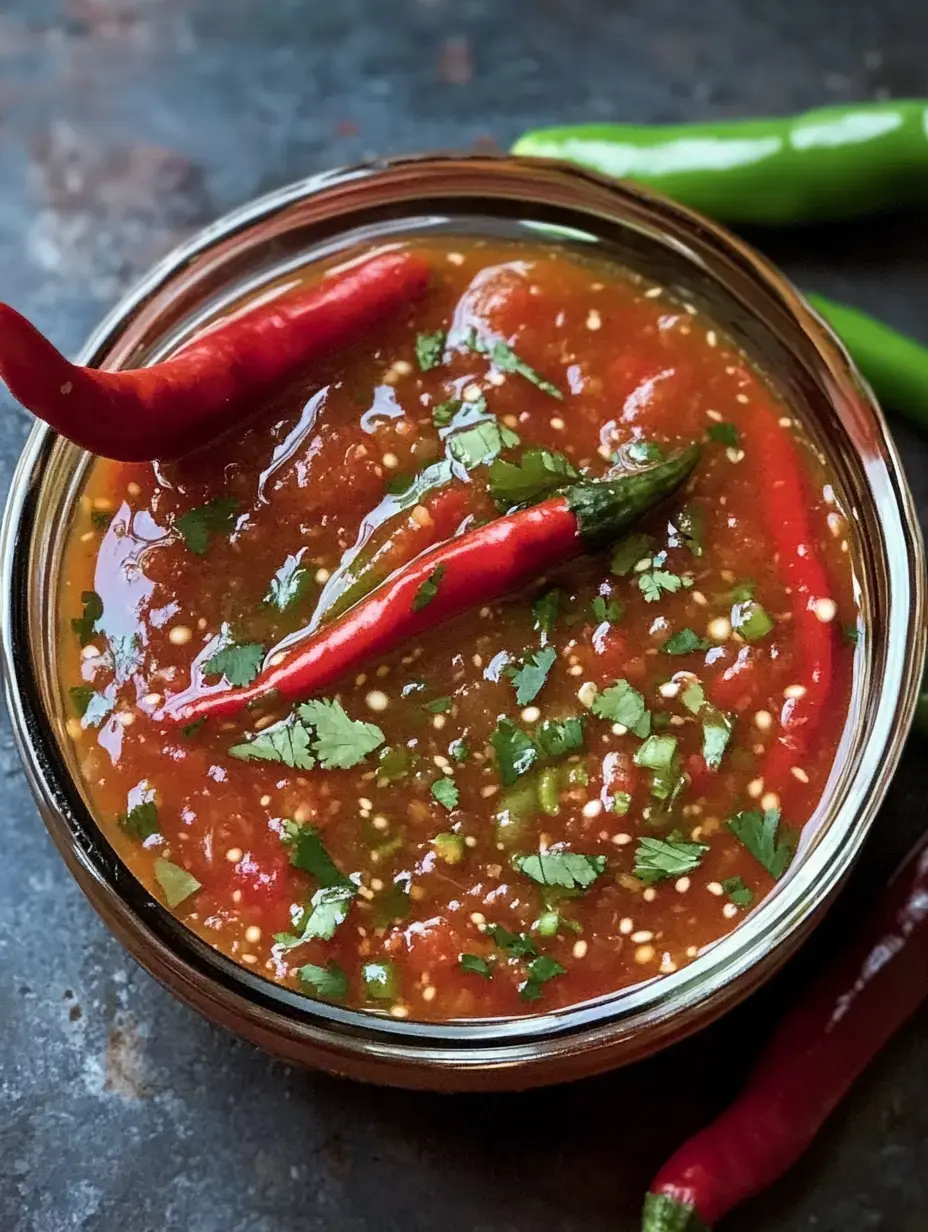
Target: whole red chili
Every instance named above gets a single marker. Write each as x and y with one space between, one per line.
784 502
182 403
475 568
825 1042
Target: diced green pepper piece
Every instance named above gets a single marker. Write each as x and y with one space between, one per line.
449 847
750 620
576 776
516 809
548 791
380 980
548 923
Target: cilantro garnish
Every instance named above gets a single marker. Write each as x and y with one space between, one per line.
657 752
538 972
609 611
531 676
176 883
329 982
391 906
476 965
328 908
85 625
480 444
693 697
751 620
238 664
100 518
657 858
286 742
141 821
644 453
537 475
659 755
445 791
444 412
569 869
197 525
716 733
515 752
394 764
429 349
308 853
397 485
761 834
502 356
851 635
81 695
559 737
341 742
621 703
429 588
92 707
544 611
459 750
288 585
684 641
740 894
628 553
657 581
724 434
519 945
688 529
438 705
191 729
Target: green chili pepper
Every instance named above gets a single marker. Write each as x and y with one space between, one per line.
836 162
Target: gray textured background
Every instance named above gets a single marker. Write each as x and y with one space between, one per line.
123 125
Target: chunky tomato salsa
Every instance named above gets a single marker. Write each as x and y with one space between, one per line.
494 667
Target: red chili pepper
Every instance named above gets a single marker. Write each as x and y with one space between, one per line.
475 568
784 502
174 407
826 1041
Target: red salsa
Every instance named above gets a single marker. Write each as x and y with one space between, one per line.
518 802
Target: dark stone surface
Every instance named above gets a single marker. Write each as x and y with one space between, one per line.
123 125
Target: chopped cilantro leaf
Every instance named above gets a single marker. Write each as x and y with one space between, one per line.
391 906
394 764
341 742
537 475
628 553
396 485
740 894
515 752
559 737
191 729
238 664
569 869
658 858
459 750
329 982
621 703
480 444
684 641
445 791
85 625
716 733
606 610
176 883
644 453
197 525
657 752
693 697
141 821
538 972
751 620
475 965
504 357
328 908
438 705
654 583
760 833
308 853
286 742
81 695
519 945
544 611
380 980
688 527
724 434
851 635
288 585
92 707
429 349
429 588
531 676
101 518
444 412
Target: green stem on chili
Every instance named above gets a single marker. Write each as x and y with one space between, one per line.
465 572
834 162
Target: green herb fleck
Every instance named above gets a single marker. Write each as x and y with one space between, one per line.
329 982
475 965
606 610
761 834
505 359
559 737
429 349
751 621
519 945
684 641
92 707
693 697
724 434
308 853
658 858
514 751
688 530
659 581
561 868
238 664
538 474
444 412
716 733
481 443
629 552
621 803
341 742
740 894
644 453
531 676
286 742
191 729
657 752
198 525
396 485
538 972
429 588
438 705
545 611
141 821
328 908
176 883
445 791
851 635
85 625
460 750
101 518
380 980
621 703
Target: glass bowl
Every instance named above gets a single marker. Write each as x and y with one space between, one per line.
259 244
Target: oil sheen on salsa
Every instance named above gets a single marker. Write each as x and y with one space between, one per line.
544 801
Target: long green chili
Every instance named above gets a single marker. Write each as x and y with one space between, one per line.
835 162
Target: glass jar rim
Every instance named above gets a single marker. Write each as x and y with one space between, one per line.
657 1004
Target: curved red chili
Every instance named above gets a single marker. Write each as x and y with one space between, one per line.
826 1041
175 406
476 568
783 498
